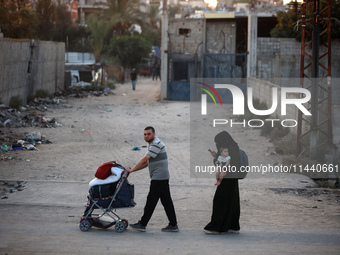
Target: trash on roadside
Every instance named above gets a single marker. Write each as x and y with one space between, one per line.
35 135
31 147
17 142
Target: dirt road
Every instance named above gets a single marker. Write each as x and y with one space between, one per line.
280 213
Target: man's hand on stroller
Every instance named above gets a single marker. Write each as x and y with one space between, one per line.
142 163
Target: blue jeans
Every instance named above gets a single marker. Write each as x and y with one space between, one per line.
133 84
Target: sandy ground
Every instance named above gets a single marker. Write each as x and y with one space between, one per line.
280 213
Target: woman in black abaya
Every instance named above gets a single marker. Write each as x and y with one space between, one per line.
226 204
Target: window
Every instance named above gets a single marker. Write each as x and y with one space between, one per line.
185 31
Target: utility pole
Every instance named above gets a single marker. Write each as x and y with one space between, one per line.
164 52
315 76
319 126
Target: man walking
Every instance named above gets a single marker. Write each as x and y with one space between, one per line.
157 160
133 77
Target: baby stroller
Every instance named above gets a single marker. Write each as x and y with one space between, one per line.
108 197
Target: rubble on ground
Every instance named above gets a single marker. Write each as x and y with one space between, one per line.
14 142
29 115
81 92
32 115
16 119
328 194
10 187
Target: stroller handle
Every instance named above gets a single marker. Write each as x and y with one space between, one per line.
125 174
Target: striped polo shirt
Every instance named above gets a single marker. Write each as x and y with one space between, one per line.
158 162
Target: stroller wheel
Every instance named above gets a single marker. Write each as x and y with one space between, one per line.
125 222
85 225
120 226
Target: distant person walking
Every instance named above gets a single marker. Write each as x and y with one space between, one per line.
133 77
154 72
122 77
158 72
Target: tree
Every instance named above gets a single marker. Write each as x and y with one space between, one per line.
45 12
17 19
62 23
173 10
287 21
128 12
78 39
152 35
285 26
99 27
154 17
129 49
151 28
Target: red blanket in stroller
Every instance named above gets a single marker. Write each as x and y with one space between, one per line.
104 170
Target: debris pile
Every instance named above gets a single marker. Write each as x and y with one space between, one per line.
10 187
27 116
43 104
330 195
81 92
18 143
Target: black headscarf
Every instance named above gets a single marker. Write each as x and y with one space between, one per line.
224 139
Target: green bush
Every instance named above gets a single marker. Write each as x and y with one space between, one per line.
15 102
111 84
42 93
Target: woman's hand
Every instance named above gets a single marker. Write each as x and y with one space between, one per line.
212 153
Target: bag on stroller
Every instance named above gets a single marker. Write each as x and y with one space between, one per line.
108 197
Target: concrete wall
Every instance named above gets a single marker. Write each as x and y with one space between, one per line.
192 43
221 36
206 36
262 90
276 57
27 66
280 57
336 111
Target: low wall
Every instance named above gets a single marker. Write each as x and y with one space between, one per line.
262 90
336 112
28 65
280 57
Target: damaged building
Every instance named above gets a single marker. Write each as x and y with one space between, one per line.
214 46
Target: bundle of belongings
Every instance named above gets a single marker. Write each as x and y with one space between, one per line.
108 186
107 173
108 191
